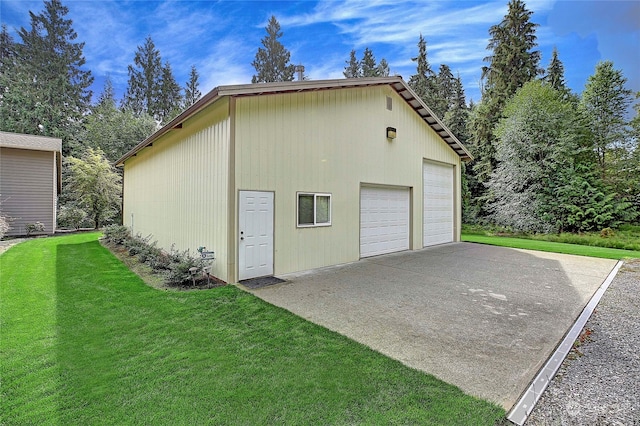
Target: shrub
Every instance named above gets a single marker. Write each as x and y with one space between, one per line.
174 266
180 264
34 227
71 217
116 234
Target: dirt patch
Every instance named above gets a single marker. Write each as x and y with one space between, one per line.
156 280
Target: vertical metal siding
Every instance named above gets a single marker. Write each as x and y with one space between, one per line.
177 189
331 141
28 188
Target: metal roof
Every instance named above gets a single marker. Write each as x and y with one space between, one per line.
397 83
33 142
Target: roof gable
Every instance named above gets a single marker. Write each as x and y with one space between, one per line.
397 83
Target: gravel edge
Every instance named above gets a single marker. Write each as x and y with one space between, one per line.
597 384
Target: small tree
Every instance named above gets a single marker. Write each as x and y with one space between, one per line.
94 185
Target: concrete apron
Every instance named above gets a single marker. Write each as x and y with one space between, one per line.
480 317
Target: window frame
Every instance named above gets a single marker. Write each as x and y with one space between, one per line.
315 196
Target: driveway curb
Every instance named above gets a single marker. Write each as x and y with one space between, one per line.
530 397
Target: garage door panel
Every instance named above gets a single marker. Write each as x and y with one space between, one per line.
438 204
384 220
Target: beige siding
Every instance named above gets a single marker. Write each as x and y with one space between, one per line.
177 190
331 141
28 188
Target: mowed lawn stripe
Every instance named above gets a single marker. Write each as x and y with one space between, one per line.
85 341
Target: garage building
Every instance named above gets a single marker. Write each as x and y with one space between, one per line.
285 177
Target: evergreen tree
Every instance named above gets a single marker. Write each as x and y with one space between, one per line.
444 86
192 90
424 81
383 68
368 64
46 90
273 62
605 101
555 72
170 100
7 49
458 114
352 70
511 64
145 80
112 130
366 67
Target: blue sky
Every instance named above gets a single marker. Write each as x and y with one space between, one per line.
221 37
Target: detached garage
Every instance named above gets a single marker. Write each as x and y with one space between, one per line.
285 177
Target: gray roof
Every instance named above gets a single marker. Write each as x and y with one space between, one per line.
397 83
36 143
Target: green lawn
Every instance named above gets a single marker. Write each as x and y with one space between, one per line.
84 341
582 250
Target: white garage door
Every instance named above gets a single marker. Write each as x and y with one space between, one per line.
384 220
438 204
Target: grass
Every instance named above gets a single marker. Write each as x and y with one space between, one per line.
550 246
84 341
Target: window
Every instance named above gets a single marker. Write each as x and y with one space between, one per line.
314 209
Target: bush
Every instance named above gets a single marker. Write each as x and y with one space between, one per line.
71 217
117 234
34 227
180 263
174 266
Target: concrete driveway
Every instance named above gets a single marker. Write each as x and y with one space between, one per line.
480 317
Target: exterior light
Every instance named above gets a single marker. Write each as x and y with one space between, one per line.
391 133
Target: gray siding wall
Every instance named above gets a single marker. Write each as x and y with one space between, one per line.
27 188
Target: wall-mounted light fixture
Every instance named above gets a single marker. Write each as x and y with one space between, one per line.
391 133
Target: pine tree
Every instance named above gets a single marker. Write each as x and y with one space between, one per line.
368 64
366 67
48 90
273 62
424 81
511 64
191 90
458 114
605 101
513 61
170 100
352 70
112 130
383 68
145 80
444 85
555 72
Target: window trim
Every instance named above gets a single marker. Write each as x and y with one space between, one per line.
315 223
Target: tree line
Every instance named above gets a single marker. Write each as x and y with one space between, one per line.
546 159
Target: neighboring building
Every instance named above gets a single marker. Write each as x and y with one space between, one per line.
30 180
286 177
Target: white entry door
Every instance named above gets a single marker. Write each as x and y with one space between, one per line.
384 220
438 204
255 247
